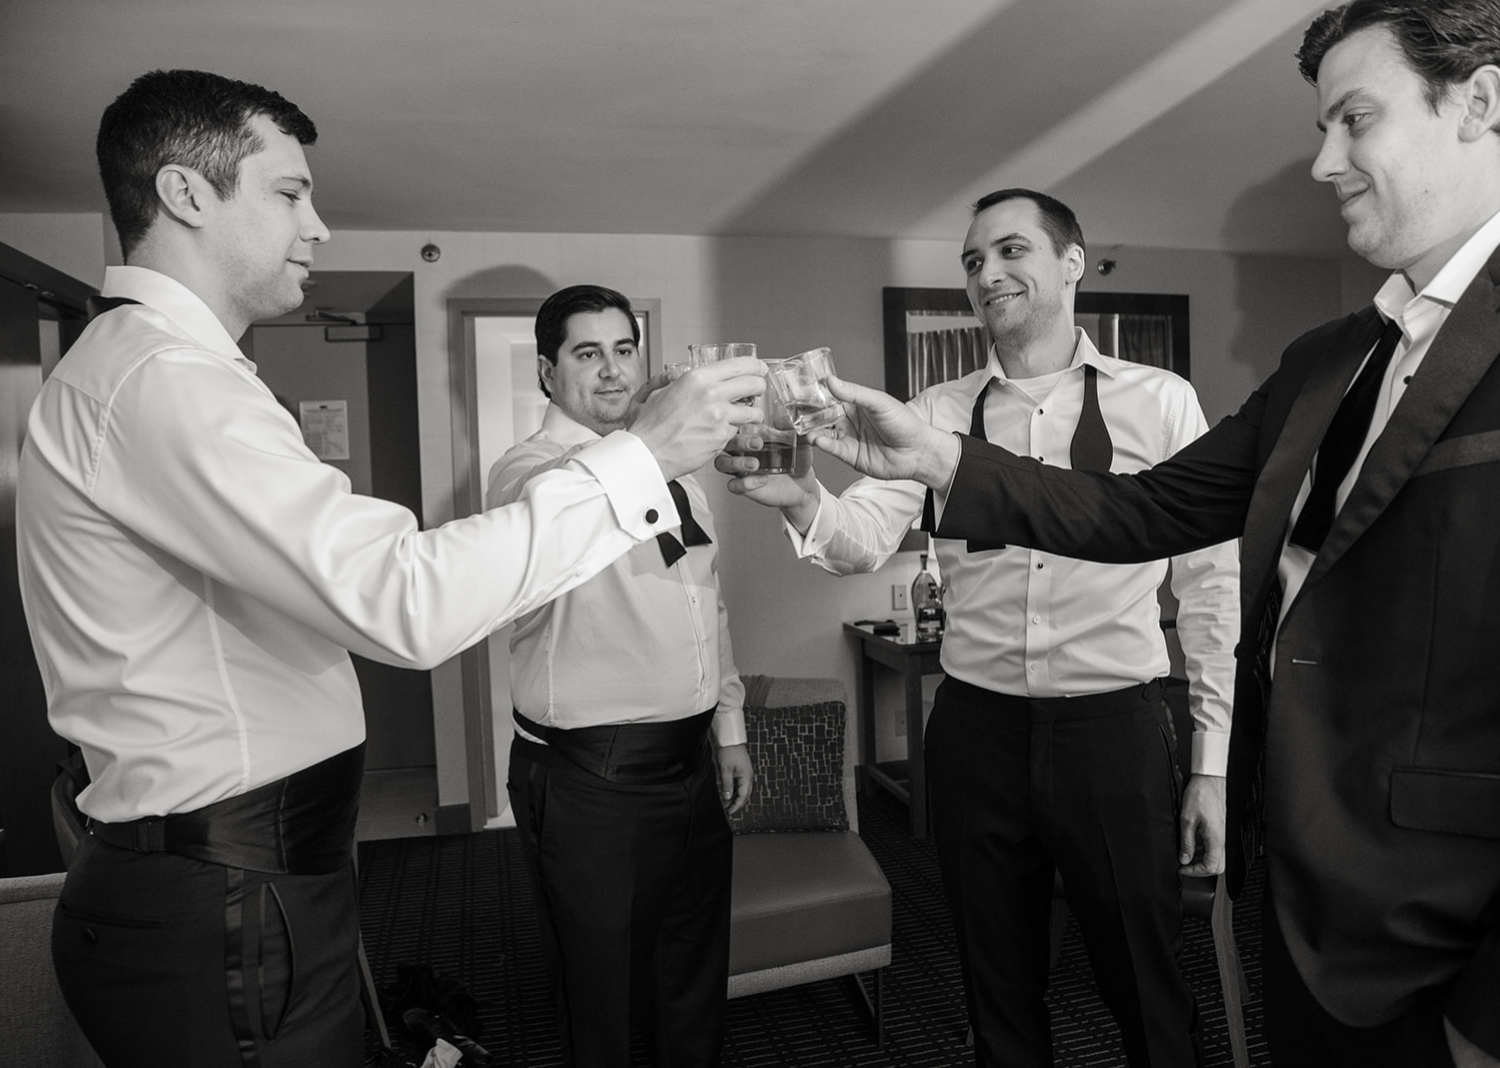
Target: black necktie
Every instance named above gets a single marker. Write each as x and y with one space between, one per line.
1091 449
97 306
692 534
1342 441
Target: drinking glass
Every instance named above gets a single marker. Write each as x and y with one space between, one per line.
801 383
784 452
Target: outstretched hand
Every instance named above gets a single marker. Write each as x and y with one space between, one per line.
685 421
883 438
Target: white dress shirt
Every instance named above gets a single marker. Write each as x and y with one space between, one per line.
1421 316
192 574
638 642
1029 623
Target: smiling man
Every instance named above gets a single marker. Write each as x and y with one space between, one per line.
626 698
1049 745
193 577
1364 480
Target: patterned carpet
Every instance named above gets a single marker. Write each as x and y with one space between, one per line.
462 904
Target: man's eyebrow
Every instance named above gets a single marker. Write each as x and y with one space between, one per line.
970 250
301 181
1335 108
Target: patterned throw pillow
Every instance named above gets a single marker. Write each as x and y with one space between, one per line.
798 754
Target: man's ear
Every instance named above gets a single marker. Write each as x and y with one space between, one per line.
544 371
1481 99
1077 261
182 192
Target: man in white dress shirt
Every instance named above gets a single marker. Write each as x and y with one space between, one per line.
1049 744
193 576
626 698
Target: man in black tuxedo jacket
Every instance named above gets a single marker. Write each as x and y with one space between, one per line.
1364 479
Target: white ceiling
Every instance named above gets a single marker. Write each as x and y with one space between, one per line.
1179 123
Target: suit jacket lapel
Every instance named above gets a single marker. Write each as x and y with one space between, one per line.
1460 355
1306 423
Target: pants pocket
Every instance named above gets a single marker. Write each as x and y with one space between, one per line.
277 971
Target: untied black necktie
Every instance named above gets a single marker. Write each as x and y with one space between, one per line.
692 534
1342 442
1091 448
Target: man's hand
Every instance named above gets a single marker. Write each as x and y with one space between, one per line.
735 776
796 497
1202 825
885 439
686 422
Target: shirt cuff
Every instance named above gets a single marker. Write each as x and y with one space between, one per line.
729 727
1210 752
633 482
816 539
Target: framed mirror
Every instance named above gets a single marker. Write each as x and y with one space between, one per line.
931 335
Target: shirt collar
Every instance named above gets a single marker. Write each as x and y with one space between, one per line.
1395 297
564 429
1084 352
177 302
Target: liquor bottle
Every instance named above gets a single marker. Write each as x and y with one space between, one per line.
927 604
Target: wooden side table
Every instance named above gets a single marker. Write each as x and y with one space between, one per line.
906 779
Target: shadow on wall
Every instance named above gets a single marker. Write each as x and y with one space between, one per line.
1278 298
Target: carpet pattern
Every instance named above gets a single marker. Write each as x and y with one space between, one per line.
463 904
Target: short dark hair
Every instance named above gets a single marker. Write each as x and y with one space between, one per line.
190 117
1442 41
552 318
1057 218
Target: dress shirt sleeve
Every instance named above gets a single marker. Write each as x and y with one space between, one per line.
729 719
859 529
199 459
1206 583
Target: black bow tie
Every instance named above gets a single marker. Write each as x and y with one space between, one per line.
692 534
1091 448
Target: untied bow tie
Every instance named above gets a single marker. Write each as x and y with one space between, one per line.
692 534
1091 448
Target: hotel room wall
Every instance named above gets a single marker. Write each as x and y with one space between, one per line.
787 294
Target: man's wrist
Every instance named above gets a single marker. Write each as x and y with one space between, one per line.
804 513
939 461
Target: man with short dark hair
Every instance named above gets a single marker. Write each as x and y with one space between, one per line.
193 576
1364 480
626 698
1049 745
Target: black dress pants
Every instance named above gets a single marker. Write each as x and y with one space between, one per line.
1088 786
632 887
1301 1033
169 961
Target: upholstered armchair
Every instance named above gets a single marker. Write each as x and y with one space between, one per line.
809 900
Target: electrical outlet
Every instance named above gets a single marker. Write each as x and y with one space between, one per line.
898 598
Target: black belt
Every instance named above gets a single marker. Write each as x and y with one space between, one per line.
300 825
638 754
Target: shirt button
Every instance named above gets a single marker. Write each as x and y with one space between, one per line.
1036 619
651 515
1033 668
1040 565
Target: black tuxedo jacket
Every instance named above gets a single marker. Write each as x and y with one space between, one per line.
1379 739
